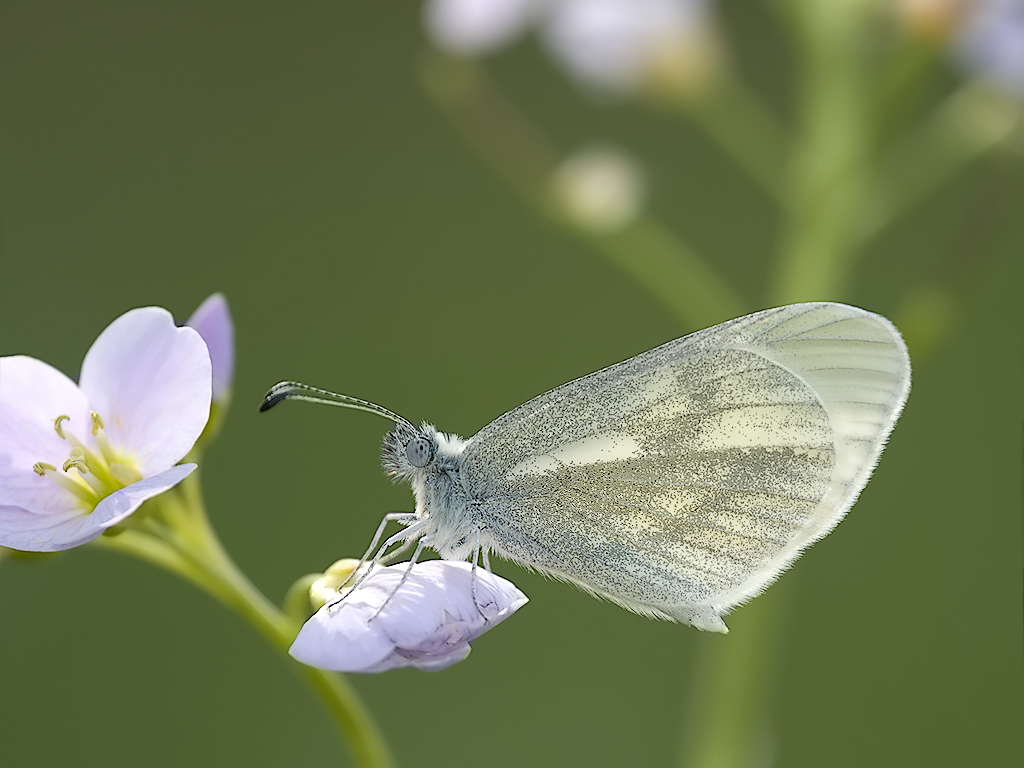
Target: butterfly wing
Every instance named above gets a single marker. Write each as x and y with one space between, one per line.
683 481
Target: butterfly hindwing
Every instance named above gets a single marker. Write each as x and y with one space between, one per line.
682 481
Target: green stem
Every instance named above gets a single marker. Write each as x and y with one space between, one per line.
296 600
827 192
930 308
727 723
520 155
831 170
672 273
189 547
967 125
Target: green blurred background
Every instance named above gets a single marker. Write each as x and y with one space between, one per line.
287 156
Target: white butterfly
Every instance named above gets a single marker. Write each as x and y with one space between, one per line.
679 483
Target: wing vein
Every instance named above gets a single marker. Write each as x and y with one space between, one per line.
806 330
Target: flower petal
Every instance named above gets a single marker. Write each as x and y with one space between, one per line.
32 532
151 383
32 395
63 529
428 619
436 607
401 658
118 505
341 637
213 321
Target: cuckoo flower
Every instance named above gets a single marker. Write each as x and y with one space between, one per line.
76 459
425 621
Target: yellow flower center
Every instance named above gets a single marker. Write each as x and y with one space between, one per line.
89 474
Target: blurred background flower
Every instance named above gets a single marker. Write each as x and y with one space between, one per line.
610 46
990 43
599 187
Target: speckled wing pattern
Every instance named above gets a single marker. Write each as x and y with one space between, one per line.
681 482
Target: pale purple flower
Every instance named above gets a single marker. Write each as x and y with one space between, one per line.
990 42
470 27
427 621
76 459
213 321
609 45
616 44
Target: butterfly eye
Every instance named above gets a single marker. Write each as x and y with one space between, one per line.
418 451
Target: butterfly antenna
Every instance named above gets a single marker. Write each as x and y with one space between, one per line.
293 390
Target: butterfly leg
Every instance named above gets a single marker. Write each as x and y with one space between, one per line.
392 555
408 535
405 518
480 555
423 542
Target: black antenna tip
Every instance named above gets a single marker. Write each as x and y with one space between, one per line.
273 397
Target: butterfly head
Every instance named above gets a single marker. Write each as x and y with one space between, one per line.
415 453
408 451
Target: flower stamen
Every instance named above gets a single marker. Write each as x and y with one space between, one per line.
76 484
99 432
77 460
100 472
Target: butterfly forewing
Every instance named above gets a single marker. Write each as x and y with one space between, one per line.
682 481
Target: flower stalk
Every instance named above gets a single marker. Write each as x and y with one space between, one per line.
176 535
141 406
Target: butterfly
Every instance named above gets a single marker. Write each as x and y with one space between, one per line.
679 483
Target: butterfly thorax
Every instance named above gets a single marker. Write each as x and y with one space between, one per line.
430 461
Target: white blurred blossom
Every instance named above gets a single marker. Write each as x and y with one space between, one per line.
609 45
425 617
470 27
600 188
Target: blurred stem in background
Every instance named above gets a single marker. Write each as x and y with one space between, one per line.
830 171
856 162
743 127
653 255
969 124
728 722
